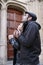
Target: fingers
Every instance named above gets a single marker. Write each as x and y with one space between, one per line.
10 36
14 33
20 27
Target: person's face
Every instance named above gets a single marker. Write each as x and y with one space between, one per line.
29 18
25 17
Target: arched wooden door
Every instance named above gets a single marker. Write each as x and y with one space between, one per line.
13 20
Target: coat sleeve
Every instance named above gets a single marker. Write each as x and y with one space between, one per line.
28 37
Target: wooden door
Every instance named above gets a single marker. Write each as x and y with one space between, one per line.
14 18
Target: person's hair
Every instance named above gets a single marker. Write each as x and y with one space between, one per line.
34 17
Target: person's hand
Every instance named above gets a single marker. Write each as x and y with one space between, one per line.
10 36
16 33
20 27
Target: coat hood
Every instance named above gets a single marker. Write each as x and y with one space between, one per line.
39 26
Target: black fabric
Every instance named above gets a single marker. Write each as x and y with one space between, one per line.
27 64
15 56
14 43
24 25
30 44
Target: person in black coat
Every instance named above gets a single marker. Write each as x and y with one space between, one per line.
30 44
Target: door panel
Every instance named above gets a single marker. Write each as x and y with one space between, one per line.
14 18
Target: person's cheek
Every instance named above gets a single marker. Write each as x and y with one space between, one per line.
23 19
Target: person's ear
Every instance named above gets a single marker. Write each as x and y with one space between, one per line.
30 18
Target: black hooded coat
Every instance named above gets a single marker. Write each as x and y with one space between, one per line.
30 44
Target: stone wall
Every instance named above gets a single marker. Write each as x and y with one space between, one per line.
0 22
33 6
41 22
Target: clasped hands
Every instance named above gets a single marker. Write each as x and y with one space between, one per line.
17 32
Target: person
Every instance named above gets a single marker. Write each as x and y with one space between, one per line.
30 43
14 42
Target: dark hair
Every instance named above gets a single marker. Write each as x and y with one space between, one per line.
24 25
34 17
